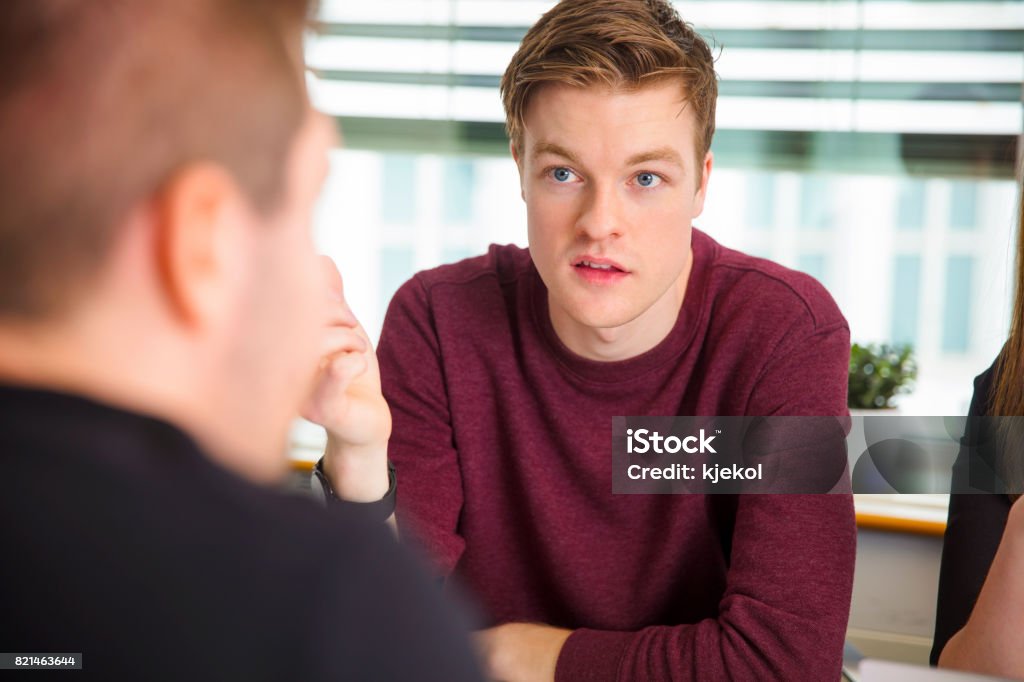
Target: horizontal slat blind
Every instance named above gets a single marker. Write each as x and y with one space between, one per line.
890 82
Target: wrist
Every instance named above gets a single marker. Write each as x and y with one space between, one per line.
376 511
523 651
357 473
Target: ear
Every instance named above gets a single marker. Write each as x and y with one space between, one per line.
201 243
702 190
519 165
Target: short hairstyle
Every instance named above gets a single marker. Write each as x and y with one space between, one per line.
102 101
622 44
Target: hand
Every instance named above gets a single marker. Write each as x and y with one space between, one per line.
521 651
348 403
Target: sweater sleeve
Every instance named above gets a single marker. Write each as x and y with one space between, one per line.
973 532
784 611
421 445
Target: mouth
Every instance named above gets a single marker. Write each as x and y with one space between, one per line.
598 270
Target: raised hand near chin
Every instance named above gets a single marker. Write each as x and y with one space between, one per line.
347 401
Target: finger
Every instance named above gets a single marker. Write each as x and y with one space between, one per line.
346 367
340 315
342 339
336 290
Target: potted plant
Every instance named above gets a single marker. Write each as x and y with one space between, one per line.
878 372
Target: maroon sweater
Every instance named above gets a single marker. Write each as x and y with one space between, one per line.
502 441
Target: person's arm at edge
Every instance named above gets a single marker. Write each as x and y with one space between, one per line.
990 642
973 532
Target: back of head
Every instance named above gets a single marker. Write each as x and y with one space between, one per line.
102 100
620 44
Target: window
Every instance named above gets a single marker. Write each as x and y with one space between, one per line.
906 288
869 143
396 266
814 264
459 190
956 320
814 203
398 190
963 205
910 213
760 213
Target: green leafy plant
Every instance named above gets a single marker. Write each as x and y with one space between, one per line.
878 372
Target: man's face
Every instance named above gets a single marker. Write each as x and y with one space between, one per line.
284 300
611 185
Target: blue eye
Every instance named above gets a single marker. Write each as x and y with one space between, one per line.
562 174
648 180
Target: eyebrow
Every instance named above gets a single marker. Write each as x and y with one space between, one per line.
666 153
660 154
555 150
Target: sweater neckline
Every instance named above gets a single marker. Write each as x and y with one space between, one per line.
671 347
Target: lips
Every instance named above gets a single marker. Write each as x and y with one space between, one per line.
598 263
599 266
598 270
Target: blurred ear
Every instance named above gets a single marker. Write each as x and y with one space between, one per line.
201 243
702 190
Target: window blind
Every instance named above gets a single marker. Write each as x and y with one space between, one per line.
924 85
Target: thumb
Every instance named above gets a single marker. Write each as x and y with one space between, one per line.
332 277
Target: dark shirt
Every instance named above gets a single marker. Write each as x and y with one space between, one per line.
121 540
973 531
502 443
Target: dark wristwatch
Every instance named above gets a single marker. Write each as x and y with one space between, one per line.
378 511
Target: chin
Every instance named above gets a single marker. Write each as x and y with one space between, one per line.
598 316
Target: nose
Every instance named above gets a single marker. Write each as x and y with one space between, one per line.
601 214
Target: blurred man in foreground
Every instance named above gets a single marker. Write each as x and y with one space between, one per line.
162 316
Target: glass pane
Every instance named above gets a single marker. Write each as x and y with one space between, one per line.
398 189
905 298
760 200
911 205
963 205
814 202
956 322
396 266
814 264
459 186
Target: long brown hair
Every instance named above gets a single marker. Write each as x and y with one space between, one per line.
1007 398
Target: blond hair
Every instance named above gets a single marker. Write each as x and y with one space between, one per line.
621 44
